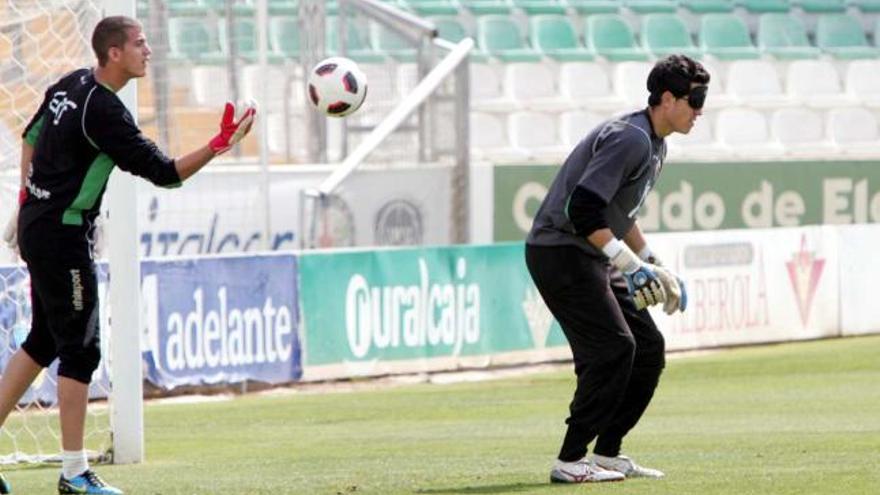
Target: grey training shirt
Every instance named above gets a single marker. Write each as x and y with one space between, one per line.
619 161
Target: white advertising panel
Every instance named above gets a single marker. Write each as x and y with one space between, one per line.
859 269
752 286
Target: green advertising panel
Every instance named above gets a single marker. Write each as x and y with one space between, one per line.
709 196
402 304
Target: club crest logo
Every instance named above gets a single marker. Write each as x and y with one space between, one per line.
804 271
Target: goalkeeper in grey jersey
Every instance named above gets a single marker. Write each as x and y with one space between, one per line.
592 266
76 137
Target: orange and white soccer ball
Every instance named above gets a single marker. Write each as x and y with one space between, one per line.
337 87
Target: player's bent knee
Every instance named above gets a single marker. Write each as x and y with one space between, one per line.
80 365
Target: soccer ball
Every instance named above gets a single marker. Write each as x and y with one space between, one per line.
337 87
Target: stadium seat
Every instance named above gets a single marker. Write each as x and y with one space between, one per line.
433 7
191 38
535 134
821 6
486 7
209 85
574 125
801 132
587 7
356 46
699 144
855 131
866 6
450 28
816 83
862 81
651 6
726 37
718 96
489 140
533 86
283 7
756 83
610 36
707 6
784 37
762 6
284 37
538 7
245 40
177 8
500 37
629 83
663 34
386 40
586 84
240 8
744 133
842 37
487 92
555 37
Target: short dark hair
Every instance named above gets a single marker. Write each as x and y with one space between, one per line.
675 73
111 32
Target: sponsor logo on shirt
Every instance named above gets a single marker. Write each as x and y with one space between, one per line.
59 105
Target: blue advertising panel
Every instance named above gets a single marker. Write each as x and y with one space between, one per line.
220 320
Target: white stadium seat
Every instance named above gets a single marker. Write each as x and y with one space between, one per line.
863 81
535 134
699 144
801 131
855 131
487 93
587 85
817 84
574 125
210 85
533 86
629 83
756 83
744 132
488 133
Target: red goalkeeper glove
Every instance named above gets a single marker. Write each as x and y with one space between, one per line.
231 131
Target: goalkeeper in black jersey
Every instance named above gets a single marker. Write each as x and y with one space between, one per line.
70 147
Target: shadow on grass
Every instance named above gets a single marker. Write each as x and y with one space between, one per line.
507 488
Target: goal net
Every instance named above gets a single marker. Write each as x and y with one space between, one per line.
40 40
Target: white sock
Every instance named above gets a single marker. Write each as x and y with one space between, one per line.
73 463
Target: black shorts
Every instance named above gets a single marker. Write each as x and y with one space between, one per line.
64 300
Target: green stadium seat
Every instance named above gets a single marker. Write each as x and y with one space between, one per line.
877 33
586 7
186 8
451 29
245 38
821 6
651 6
486 7
356 46
239 7
841 36
726 37
192 39
707 6
388 41
538 7
610 36
764 6
433 7
283 7
555 37
866 6
663 34
500 37
284 37
784 37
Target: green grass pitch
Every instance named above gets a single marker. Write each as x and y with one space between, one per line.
801 418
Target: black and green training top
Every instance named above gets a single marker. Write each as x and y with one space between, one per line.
81 130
